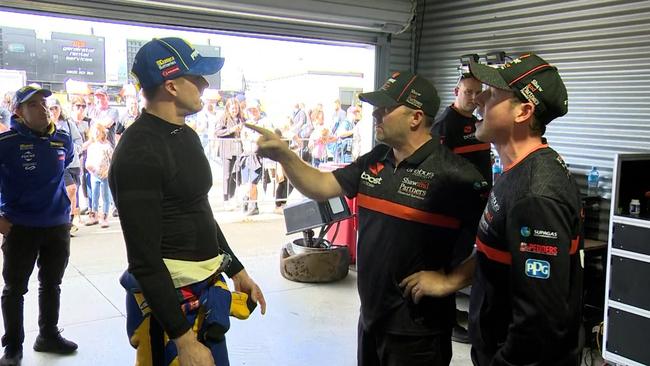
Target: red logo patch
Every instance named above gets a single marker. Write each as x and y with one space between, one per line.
170 71
375 169
467 129
538 248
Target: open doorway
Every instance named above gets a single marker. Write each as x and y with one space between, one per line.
274 79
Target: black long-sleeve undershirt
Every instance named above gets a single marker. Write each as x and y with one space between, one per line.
160 179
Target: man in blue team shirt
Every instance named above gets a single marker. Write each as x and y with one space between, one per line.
34 221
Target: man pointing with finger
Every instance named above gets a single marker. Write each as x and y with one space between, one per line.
415 197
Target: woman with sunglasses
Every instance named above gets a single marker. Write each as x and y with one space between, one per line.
78 116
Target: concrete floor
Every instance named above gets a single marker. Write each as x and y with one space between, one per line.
305 324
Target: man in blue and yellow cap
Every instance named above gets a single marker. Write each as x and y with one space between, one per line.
34 221
160 179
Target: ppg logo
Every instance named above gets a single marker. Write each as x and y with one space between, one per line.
538 269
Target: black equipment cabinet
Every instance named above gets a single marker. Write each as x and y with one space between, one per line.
627 293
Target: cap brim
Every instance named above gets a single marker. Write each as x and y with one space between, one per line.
378 98
206 66
45 92
487 75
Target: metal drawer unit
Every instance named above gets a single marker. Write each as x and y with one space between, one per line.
627 294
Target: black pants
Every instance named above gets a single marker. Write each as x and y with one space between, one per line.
22 248
378 348
281 192
230 177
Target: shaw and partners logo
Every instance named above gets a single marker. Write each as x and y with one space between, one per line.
413 188
536 268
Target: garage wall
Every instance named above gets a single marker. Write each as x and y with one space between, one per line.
601 48
401 57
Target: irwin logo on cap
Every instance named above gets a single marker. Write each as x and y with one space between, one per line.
170 71
515 61
388 84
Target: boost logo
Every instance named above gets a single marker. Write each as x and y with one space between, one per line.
538 269
370 179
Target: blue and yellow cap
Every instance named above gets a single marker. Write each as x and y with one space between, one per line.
26 92
168 58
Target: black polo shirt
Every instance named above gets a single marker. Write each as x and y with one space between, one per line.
410 216
458 133
525 306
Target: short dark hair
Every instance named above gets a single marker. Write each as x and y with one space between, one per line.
537 126
151 93
465 76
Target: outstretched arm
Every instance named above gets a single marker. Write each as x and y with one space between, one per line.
310 181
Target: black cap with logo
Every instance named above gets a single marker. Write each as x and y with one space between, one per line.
408 89
532 79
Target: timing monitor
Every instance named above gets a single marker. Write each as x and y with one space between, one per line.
310 214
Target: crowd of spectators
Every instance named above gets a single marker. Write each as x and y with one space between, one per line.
316 136
96 124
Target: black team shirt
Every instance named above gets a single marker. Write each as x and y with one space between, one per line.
525 306
458 133
410 217
160 179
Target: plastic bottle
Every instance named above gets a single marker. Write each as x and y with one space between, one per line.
635 207
592 182
496 169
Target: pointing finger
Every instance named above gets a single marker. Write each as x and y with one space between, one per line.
261 130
